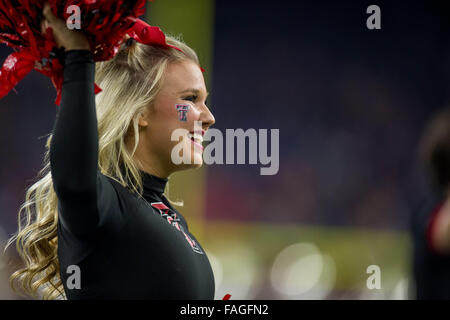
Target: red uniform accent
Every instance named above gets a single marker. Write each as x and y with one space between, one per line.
431 228
164 211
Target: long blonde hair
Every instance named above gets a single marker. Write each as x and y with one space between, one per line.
130 83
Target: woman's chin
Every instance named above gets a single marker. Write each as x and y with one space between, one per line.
196 163
192 165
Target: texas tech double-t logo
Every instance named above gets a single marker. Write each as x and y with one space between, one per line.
182 111
172 219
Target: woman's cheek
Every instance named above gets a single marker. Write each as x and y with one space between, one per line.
193 113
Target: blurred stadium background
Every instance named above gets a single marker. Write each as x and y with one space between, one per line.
350 104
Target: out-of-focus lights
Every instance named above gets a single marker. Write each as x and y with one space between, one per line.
240 272
401 290
300 271
216 266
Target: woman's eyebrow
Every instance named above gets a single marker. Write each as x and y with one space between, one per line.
196 91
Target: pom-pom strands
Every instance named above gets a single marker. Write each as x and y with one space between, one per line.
104 22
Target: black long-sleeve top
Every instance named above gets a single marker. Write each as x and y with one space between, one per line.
125 247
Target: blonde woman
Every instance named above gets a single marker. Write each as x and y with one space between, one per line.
97 225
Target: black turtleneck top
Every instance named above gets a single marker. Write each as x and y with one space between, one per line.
113 244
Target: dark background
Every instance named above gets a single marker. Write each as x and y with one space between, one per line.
350 104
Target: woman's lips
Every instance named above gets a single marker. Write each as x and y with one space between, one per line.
197 138
196 144
199 132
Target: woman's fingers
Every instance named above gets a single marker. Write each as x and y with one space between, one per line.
44 26
48 14
51 19
69 39
56 24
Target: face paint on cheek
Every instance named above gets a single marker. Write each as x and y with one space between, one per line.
182 110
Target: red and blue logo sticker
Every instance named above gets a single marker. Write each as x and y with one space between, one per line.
182 110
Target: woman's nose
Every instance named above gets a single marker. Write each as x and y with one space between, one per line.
207 118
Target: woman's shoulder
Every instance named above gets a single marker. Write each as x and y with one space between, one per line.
121 191
127 198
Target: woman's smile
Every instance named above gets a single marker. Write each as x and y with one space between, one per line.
196 138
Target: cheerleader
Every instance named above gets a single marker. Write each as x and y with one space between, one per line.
97 225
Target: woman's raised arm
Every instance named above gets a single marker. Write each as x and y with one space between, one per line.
74 146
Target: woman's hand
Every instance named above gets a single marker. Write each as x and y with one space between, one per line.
64 37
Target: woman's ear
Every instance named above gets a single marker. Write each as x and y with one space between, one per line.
143 118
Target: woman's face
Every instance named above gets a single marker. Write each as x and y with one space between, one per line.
180 102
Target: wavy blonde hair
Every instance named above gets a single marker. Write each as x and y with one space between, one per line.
130 83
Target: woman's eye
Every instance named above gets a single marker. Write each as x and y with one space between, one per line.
191 98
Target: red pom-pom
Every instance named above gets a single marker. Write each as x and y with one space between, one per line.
104 22
16 66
